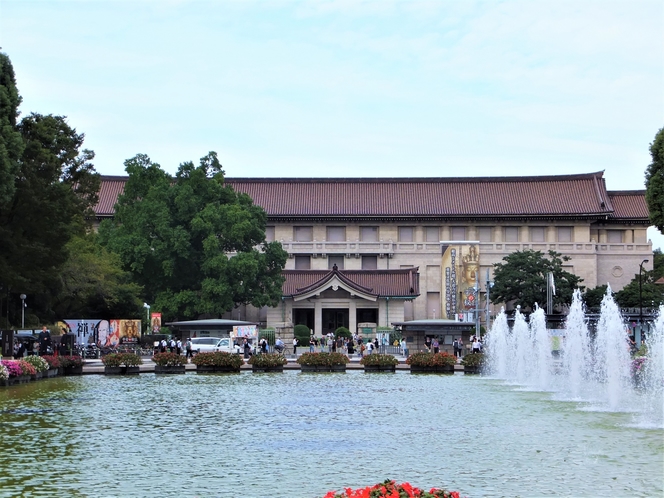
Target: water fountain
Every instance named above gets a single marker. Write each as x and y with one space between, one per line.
593 368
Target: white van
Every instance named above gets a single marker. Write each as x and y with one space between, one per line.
212 344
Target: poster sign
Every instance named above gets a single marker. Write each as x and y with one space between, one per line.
244 331
130 331
84 330
155 320
460 264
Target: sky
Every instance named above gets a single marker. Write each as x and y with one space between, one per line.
338 88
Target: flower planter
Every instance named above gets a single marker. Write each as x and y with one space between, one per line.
52 372
380 368
323 368
471 370
418 369
21 379
37 376
212 369
169 369
73 370
121 370
278 368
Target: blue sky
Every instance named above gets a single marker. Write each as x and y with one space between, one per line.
351 88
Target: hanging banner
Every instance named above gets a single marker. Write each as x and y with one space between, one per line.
155 320
130 331
244 331
83 330
460 264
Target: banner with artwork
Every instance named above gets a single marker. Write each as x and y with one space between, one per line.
245 331
83 329
460 264
155 320
104 333
130 331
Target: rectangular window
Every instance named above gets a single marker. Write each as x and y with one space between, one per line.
303 234
458 233
564 234
269 234
406 234
614 236
336 234
337 259
511 234
369 234
433 305
369 262
485 234
303 262
432 234
537 234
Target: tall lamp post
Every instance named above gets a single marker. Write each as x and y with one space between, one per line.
640 296
23 296
147 307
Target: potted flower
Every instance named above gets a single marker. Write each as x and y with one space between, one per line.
4 375
323 362
14 372
169 363
270 362
122 364
53 365
473 363
71 365
40 365
424 362
216 362
389 489
379 363
638 370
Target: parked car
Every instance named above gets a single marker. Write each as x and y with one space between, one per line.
212 344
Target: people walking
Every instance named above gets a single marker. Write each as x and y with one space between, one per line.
178 347
404 347
436 346
295 345
460 341
190 348
455 345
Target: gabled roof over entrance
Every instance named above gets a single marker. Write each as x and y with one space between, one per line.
368 284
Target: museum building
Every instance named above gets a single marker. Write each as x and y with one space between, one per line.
367 253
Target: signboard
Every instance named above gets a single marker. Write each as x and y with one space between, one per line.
460 264
104 333
155 320
84 330
245 331
130 331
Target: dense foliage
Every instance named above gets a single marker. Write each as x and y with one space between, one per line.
267 360
169 359
390 489
473 360
323 359
194 244
655 182
522 279
122 360
424 359
383 360
218 359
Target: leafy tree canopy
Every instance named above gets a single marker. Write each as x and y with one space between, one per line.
652 294
522 279
11 144
194 244
655 182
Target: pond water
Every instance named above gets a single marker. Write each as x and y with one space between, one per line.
300 435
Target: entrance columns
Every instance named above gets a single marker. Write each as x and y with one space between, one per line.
318 317
352 316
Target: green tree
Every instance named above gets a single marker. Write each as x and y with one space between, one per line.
652 294
593 297
522 279
655 182
194 244
11 143
92 283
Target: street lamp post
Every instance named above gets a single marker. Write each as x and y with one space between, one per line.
23 296
147 307
640 298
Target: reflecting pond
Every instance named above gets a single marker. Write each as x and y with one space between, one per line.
299 435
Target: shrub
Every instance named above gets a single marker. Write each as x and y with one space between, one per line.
390 489
302 335
268 360
169 359
122 360
424 359
38 362
71 361
323 359
343 332
53 361
218 359
383 360
473 360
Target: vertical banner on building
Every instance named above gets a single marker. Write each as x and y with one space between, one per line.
155 320
460 264
130 331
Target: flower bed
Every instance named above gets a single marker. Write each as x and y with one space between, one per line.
431 362
217 362
379 360
122 360
169 359
13 368
38 362
53 361
473 362
4 373
390 489
268 362
70 361
323 359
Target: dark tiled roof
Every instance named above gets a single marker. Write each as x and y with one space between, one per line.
629 204
564 195
382 283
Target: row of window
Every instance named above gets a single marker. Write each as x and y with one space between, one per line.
303 262
432 234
